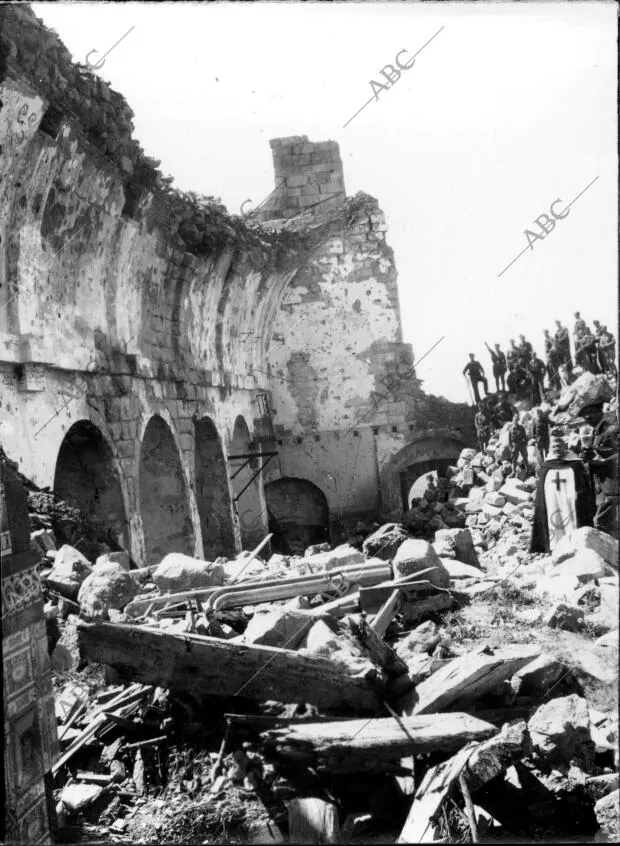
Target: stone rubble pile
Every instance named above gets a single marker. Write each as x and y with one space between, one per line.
273 662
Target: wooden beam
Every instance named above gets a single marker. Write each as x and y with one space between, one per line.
210 666
386 613
465 679
375 745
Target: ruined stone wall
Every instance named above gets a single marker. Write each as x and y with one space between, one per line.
167 324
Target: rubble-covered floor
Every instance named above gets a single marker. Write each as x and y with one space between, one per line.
386 690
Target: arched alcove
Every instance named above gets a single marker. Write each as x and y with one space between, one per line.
86 479
434 450
212 492
298 514
247 491
416 476
164 506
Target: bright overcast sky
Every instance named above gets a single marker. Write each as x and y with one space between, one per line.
510 107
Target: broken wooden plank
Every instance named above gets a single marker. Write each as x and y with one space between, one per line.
379 652
313 820
251 558
87 734
386 613
429 797
208 665
375 745
465 679
340 607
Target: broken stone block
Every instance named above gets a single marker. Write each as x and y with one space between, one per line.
311 550
586 565
424 638
468 476
514 494
108 586
471 521
491 510
540 675
607 812
495 499
414 555
121 558
587 538
475 507
569 618
557 586
385 541
281 627
460 543
343 556
560 732
494 483
467 454
69 571
458 570
601 785
178 572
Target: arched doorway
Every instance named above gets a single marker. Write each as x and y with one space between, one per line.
415 478
247 491
86 479
435 451
163 500
212 492
298 514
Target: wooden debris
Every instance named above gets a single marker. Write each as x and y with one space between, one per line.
375 745
430 796
312 821
467 678
386 613
251 557
379 652
469 808
222 668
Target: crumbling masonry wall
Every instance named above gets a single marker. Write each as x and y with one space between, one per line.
123 301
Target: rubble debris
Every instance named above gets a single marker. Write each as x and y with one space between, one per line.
178 572
109 586
414 555
560 732
69 571
607 811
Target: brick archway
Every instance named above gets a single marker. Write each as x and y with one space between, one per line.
249 504
298 514
431 450
163 500
86 478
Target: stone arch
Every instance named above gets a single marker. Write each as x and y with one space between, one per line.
86 477
432 450
249 502
212 492
163 496
298 514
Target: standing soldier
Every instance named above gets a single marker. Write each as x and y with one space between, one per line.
607 346
475 371
598 332
482 422
525 349
602 463
512 354
540 432
537 370
517 439
499 367
562 342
